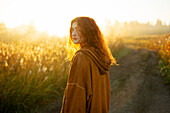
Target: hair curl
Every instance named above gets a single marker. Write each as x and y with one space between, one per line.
93 37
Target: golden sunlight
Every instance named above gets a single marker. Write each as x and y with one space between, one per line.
37 54
54 16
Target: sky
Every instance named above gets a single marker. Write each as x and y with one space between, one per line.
54 16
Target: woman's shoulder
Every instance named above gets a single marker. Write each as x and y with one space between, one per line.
80 56
85 54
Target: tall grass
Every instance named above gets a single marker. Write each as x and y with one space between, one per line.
34 73
31 74
164 53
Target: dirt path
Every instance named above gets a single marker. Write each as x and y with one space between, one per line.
137 85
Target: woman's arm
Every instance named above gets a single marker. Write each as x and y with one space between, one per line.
78 89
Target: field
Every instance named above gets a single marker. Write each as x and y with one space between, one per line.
31 74
34 73
159 44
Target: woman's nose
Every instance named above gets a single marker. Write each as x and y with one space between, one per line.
74 33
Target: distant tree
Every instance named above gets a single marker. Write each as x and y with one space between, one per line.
3 27
3 31
125 29
117 28
109 31
158 23
31 28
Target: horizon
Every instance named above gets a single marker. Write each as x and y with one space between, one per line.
54 17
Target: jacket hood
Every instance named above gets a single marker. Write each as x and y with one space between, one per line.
103 67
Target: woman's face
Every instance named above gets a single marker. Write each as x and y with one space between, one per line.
75 34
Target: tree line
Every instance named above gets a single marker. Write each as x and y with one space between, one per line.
134 28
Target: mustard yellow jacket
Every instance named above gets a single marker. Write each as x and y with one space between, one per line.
88 85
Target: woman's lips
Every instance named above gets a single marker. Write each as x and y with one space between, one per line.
74 38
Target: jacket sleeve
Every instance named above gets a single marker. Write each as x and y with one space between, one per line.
78 89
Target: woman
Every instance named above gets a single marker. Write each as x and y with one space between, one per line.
88 85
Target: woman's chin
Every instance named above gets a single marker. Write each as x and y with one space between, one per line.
76 42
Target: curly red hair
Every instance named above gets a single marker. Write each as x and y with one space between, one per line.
93 37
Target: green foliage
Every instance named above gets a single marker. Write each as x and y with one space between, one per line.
116 46
158 43
165 70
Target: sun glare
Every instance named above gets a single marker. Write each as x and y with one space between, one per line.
54 16
49 16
